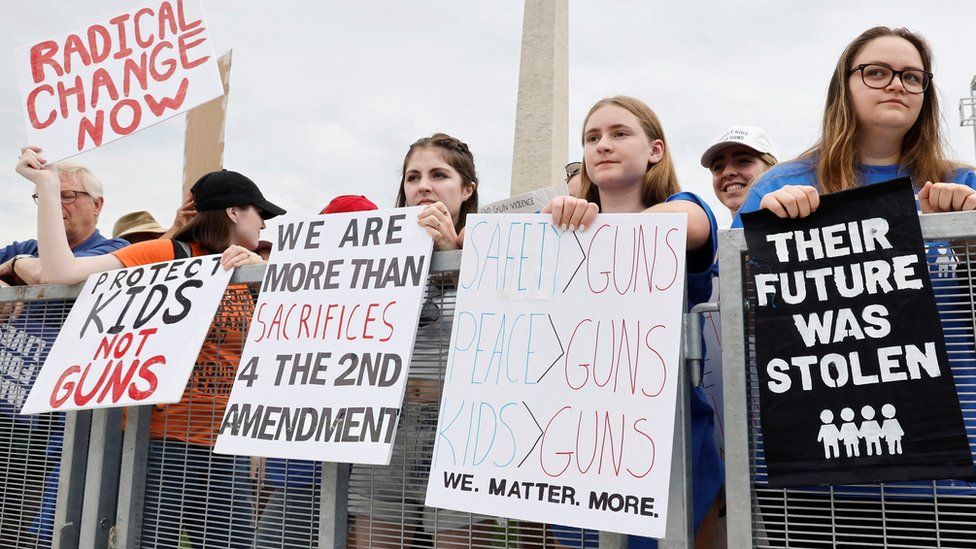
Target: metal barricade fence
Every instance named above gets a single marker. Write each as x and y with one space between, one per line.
937 514
146 476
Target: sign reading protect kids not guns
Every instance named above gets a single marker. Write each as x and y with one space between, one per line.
560 389
116 76
132 337
325 363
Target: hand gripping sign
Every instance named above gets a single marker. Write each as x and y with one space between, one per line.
116 76
131 338
560 389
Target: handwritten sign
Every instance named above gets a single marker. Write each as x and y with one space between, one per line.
116 76
530 202
560 389
131 338
326 359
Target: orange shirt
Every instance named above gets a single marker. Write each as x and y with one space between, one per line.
196 418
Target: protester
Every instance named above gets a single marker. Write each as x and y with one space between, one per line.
387 502
231 213
627 168
573 178
137 227
736 160
881 121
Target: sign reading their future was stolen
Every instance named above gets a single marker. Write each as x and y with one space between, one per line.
116 76
325 363
855 385
560 389
131 338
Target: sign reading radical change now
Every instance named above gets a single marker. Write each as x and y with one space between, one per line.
855 384
325 362
560 389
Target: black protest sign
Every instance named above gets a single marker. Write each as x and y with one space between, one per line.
854 379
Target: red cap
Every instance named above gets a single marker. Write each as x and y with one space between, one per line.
349 203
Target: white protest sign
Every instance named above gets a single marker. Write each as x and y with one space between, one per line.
560 389
325 363
131 338
116 76
530 202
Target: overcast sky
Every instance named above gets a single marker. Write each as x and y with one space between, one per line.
326 96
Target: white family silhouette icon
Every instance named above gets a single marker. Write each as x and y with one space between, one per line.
870 431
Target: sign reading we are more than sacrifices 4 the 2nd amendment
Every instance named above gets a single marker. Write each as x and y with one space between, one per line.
326 359
131 338
560 388
116 76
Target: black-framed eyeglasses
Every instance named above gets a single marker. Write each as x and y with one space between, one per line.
67 197
572 169
880 77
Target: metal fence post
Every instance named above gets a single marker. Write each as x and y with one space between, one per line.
738 485
102 478
132 477
71 480
333 511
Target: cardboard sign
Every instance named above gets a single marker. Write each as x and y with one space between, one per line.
530 202
559 395
131 338
116 76
326 358
854 382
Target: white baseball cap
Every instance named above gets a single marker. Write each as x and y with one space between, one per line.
750 136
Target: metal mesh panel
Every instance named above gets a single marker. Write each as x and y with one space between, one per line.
929 514
30 446
386 504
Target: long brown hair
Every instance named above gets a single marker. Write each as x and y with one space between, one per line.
457 155
836 154
660 179
210 229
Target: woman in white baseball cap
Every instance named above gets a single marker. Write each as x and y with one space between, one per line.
736 160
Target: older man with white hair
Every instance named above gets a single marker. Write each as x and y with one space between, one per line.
81 202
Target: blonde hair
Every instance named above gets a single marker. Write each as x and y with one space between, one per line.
82 175
660 179
836 154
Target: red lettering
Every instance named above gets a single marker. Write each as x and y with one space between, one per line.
674 255
145 333
32 108
117 384
653 451
160 106
664 365
584 365
147 375
369 319
181 13
92 130
303 320
170 64
387 322
136 117
62 383
123 344
81 397
143 43
606 274
119 22
74 46
78 90
348 324
257 316
166 15
98 52
105 347
102 79
43 54
183 47
131 68
542 446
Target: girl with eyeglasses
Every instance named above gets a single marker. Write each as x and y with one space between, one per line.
627 168
881 121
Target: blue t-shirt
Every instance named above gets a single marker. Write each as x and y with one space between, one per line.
962 363
96 244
